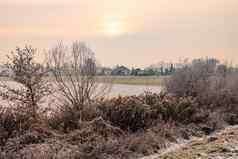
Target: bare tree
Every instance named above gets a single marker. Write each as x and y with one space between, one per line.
193 79
74 71
29 77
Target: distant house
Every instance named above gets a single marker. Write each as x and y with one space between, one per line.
104 71
140 72
107 71
121 71
136 72
149 72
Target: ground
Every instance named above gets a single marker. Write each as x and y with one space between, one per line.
221 145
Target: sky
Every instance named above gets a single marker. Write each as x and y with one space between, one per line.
135 33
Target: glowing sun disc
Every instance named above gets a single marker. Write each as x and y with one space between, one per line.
113 28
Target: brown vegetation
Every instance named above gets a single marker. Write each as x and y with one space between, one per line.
116 131
74 72
122 127
29 75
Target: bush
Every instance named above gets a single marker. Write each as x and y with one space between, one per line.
128 113
213 85
142 112
177 109
74 72
13 122
231 118
153 139
151 99
123 127
29 77
49 149
193 79
94 131
145 143
111 149
64 119
68 118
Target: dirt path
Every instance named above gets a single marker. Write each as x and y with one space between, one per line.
220 145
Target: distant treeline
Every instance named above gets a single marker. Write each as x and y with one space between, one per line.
160 69
121 70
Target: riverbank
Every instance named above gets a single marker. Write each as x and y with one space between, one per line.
127 80
220 145
120 128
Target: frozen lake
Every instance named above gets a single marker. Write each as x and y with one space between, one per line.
116 90
127 90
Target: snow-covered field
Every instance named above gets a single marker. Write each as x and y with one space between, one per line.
116 90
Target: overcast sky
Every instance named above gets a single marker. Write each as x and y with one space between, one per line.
130 32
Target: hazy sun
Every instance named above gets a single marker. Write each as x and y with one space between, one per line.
113 27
